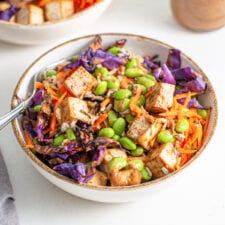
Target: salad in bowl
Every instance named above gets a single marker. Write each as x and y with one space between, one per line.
114 117
111 117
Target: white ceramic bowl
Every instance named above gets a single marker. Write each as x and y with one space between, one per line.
48 32
139 45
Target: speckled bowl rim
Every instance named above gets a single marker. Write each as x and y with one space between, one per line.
50 23
109 188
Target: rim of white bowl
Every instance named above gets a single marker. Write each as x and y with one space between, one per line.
60 21
20 139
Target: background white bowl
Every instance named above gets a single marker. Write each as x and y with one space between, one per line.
142 46
48 32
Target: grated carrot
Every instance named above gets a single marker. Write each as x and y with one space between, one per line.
133 104
184 95
99 121
105 102
39 85
53 123
60 100
126 82
28 139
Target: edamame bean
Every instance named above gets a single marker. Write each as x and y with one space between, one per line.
75 58
141 101
182 125
165 136
37 108
33 151
129 118
131 63
88 164
151 77
116 164
70 134
184 109
51 73
106 132
58 140
128 143
146 175
101 88
121 105
119 126
101 71
114 50
113 83
116 137
148 83
134 72
142 87
122 93
112 117
136 164
137 152
179 87
203 113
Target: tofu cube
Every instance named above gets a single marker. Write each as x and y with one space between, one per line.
99 179
161 98
112 153
30 14
80 82
59 9
144 132
163 160
146 140
138 127
125 177
72 109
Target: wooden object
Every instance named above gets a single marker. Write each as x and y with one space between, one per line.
200 15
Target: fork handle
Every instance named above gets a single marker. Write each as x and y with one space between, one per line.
8 117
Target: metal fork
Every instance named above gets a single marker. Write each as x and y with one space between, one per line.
8 117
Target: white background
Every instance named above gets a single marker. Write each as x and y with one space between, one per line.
197 198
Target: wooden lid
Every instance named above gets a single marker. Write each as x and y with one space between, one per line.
199 14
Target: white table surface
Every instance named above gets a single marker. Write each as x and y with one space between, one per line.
197 198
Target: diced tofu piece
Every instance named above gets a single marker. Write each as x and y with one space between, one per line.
161 98
163 160
99 179
144 132
58 9
21 3
30 14
80 82
72 109
125 177
138 127
112 153
146 139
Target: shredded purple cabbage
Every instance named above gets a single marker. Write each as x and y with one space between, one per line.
149 63
78 171
164 75
98 155
167 75
38 97
90 58
7 14
39 131
174 59
71 148
184 74
193 103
